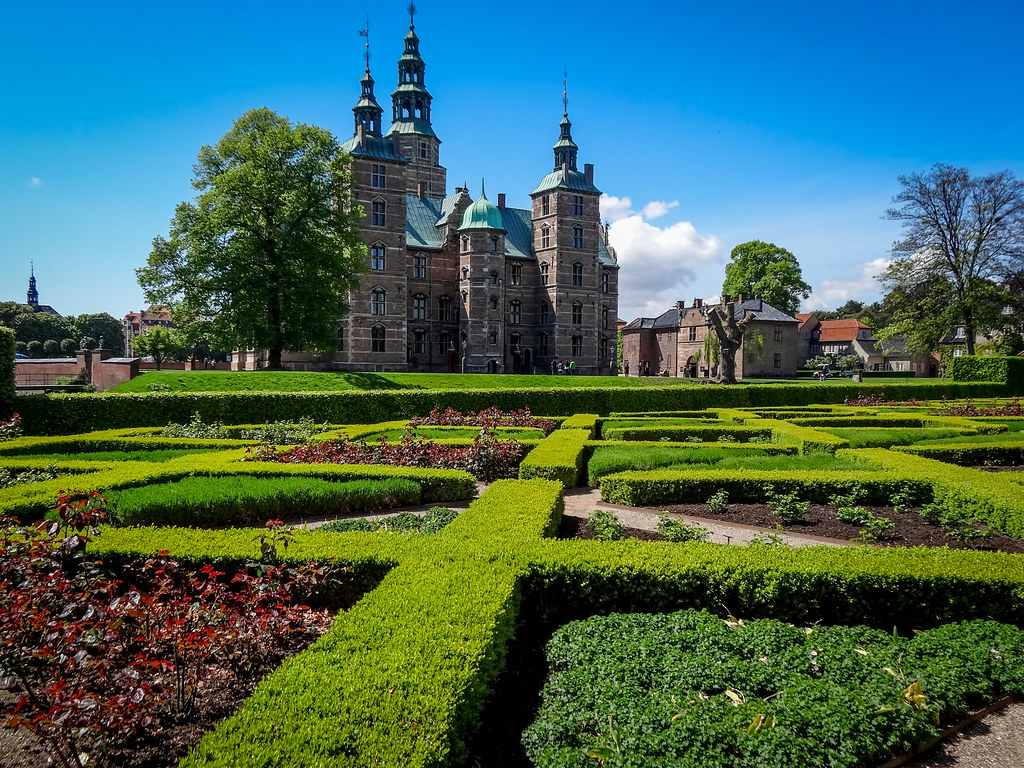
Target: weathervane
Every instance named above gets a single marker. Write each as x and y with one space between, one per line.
565 91
412 12
366 33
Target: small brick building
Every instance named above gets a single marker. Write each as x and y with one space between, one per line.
672 344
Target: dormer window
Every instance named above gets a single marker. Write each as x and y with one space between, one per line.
961 332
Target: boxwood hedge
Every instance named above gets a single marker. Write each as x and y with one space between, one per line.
57 414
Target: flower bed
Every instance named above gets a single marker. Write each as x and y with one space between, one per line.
488 458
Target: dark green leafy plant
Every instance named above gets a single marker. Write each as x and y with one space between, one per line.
674 529
718 503
691 689
605 525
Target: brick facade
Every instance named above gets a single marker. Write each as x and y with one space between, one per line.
672 344
511 294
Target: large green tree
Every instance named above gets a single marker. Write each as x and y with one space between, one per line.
963 238
101 325
158 343
268 253
767 271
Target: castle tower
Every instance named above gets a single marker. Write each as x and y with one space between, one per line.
373 334
568 241
482 286
411 131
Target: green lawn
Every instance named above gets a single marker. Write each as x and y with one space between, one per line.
296 381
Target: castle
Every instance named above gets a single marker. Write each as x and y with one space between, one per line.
457 284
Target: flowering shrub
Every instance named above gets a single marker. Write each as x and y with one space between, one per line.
491 418
488 458
90 660
967 408
10 429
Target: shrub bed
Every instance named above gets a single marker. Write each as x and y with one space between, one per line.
711 692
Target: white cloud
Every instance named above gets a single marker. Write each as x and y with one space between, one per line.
830 294
657 208
35 182
657 263
615 208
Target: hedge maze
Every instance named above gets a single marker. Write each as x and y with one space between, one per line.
404 676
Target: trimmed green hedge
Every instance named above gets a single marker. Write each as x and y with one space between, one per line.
56 414
1006 370
561 456
415 658
7 390
242 499
679 434
1008 454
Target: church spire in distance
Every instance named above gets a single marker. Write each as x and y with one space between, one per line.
565 148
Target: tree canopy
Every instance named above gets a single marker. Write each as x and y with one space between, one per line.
268 253
158 343
767 271
963 240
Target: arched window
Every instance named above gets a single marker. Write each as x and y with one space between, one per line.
545 270
494 302
577 237
577 345
577 273
516 341
444 309
494 338
465 247
419 342
545 236
378 333
604 282
377 260
419 307
516 274
378 301
544 311
577 313
378 211
515 313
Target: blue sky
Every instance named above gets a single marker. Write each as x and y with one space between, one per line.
708 126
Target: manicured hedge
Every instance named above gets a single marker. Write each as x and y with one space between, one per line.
561 456
401 678
805 439
638 489
1007 370
242 499
72 413
7 390
1008 454
679 434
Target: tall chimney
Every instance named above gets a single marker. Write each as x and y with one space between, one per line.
588 173
501 200
698 303
419 189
